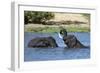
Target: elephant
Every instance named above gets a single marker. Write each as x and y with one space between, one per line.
43 42
49 42
70 40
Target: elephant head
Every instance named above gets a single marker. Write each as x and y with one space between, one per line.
70 41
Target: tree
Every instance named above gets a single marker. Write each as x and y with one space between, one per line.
87 16
37 16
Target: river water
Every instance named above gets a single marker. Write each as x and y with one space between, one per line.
59 53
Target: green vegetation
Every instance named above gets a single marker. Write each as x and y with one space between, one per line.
57 29
38 21
87 16
37 17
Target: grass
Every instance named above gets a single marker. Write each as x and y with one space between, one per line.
47 29
78 29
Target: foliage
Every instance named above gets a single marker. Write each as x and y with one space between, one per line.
57 29
87 16
37 17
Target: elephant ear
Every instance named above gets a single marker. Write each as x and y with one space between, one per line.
73 41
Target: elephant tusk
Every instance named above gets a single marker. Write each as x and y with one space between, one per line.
60 36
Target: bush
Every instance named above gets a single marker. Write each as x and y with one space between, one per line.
37 17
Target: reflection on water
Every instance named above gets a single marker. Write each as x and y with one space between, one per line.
59 53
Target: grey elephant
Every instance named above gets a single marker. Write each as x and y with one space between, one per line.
70 40
49 42
43 42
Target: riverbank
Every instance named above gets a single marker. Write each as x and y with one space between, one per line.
56 28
